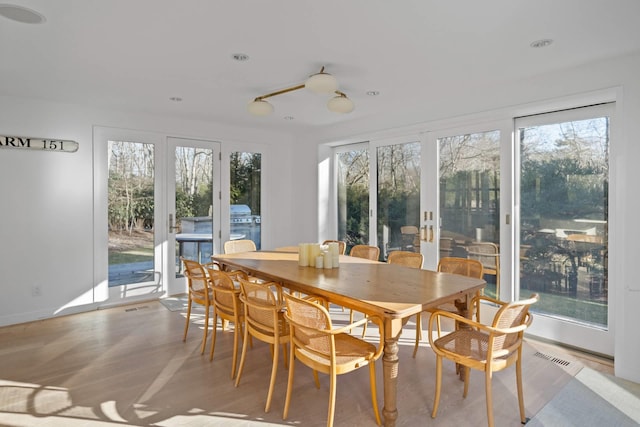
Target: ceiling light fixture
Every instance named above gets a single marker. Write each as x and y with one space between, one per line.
320 82
340 103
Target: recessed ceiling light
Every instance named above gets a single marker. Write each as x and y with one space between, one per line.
175 99
541 43
240 57
21 14
373 93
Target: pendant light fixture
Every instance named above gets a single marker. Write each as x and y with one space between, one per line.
321 83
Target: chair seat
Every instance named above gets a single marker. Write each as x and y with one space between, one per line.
468 343
351 353
487 347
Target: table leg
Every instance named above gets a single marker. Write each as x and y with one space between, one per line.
390 359
463 310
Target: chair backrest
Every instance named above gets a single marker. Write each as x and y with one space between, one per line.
342 245
262 305
196 275
225 293
236 246
512 315
406 258
365 251
463 266
485 252
307 320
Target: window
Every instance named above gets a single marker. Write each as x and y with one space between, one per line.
353 195
246 222
131 211
564 175
398 197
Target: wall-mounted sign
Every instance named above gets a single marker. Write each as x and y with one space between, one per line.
26 143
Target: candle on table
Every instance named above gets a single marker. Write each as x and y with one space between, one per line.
328 259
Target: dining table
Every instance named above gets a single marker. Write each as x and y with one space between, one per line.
391 292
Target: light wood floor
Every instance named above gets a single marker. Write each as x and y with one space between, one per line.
129 366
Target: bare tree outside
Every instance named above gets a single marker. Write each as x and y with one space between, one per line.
131 208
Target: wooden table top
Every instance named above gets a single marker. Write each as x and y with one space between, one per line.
371 287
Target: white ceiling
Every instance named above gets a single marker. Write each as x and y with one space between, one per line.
133 55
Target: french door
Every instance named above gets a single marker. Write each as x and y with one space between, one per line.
378 194
193 206
563 223
528 197
469 199
154 202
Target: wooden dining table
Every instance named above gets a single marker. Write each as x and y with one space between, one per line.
392 292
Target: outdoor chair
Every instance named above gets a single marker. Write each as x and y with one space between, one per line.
489 255
410 237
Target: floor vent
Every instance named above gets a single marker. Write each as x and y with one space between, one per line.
553 359
136 308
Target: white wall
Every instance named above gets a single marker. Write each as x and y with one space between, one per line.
46 225
546 93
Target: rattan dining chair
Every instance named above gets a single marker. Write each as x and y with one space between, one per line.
488 348
463 266
227 306
406 258
236 246
316 344
199 292
264 320
342 245
365 251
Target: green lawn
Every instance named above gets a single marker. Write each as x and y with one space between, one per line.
130 256
564 306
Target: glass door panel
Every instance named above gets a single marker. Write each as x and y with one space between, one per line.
192 210
245 197
398 198
193 223
352 165
131 212
564 170
469 171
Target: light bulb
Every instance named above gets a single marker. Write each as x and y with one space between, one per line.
260 107
321 83
340 104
